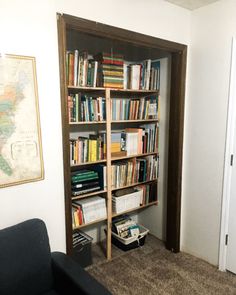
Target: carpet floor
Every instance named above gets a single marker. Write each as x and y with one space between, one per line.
152 269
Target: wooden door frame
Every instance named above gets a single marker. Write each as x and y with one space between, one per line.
176 122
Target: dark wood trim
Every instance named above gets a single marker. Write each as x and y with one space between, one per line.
176 122
176 128
65 131
99 29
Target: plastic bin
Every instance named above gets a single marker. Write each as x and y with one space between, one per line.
132 242
82 251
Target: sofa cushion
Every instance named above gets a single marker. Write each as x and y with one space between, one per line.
25 260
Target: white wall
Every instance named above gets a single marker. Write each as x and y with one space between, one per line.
154 218
205 127
29 28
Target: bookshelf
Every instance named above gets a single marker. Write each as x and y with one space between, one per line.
83 35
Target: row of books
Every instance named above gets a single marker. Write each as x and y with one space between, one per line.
88 210
87 149
85 181
143 75
83 108
131 141
111 70
94 208
81 69
125 173
134 109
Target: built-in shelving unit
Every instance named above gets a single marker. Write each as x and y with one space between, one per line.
76 33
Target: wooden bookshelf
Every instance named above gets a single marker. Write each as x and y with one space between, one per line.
87 123
133 156
135 46
90 223
133 184
134 121
87 163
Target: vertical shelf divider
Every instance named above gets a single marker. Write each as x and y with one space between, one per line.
108 158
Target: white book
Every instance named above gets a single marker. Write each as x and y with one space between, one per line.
76 61
135 76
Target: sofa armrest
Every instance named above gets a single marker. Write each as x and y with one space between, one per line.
70 277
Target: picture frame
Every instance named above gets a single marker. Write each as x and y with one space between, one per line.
21 157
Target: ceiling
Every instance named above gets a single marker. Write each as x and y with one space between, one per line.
191 4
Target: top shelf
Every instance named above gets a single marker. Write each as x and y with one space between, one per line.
113 90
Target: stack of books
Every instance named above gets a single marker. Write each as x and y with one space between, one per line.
110 71
85 181
117 144
83 108
125 227
89 209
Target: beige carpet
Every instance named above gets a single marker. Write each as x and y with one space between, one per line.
154 270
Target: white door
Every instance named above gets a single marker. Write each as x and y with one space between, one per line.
231 238
227 255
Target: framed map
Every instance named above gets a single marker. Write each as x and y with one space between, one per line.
21 158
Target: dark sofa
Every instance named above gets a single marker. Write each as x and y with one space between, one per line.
27 266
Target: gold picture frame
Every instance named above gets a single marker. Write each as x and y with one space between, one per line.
21 158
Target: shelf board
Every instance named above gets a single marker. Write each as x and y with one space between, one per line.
116 214
112 89
135 209
133 184
133 156
86 122
88 195
90 223
131 121
86 88
88 163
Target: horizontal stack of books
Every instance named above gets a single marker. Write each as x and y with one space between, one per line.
110 70
85 181
134 109
82 108
88 210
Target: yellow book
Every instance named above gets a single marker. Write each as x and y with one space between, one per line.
92 150
76 218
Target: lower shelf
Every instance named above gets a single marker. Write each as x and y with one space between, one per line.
117 214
